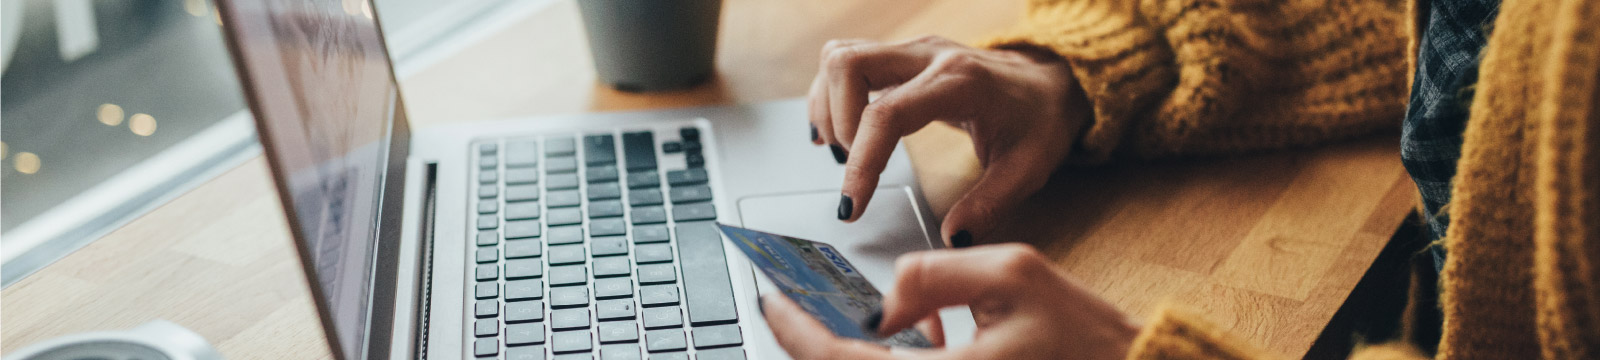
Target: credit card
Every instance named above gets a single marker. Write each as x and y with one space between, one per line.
818 278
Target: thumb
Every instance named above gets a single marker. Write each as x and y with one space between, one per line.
1004 184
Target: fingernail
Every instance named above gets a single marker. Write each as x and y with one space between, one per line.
761 305
961 239
846 207
870 325
814 136
838 153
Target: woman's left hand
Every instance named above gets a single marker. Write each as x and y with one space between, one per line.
1023 307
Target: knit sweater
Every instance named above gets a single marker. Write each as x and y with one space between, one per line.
1186 77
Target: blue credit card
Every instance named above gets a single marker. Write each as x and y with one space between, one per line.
818 278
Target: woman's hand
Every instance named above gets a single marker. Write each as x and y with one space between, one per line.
1024 309
1023 110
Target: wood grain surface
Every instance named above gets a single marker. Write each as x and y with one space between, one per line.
1267 245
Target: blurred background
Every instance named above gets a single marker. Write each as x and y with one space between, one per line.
110 107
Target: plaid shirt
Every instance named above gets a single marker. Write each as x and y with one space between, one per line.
1453 35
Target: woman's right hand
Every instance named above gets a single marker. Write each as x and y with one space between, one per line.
1023 306
1024 110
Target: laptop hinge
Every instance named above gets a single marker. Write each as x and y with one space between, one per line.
425 260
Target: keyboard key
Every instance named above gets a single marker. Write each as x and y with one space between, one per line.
524 290
639 148
565 216
605 209
488 148
524 334
558 165
535 352
488 192
486 309
488 206
562 182
687 177
488 255
689 194
522 229
658 295
525 311
649 233
487 238
644 179
665 340
523 269
709 294
694 212
566 254
644 197
560 146
613 288
657 274
663 317
605 191
618 309
609 246
578 356
523 153
694 160
486 327
607 227
670 356
717 336
564 235
649 215
564 198
487 176
690 134
571 296
485 347
566 319
610 266
487 162
619 351
571 341
488 272
672 147
518 249
486 222
522 211
720 354
618 331
522 193
599 149
691 146
486 290
568 275
600 174
652 253
522 176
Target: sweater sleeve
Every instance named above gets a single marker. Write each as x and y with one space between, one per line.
1196 77
1177 333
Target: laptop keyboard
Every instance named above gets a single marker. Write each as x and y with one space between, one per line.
586 247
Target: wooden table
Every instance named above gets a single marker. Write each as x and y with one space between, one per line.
1267 245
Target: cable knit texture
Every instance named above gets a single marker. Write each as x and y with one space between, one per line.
1196 77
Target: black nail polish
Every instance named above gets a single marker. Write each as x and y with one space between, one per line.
838 153
814 135
761 305
846 207
870 325
961 239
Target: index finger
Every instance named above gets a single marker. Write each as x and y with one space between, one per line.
883 123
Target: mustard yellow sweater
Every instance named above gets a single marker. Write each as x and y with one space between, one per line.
1183 77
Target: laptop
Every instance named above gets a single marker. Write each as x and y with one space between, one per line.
568 237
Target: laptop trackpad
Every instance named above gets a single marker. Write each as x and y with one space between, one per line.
890 227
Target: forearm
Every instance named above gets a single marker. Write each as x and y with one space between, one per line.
1187 78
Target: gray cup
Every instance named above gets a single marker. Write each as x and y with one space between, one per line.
651 45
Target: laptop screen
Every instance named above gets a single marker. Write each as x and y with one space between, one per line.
318 80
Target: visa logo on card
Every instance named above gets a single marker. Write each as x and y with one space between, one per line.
838 261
